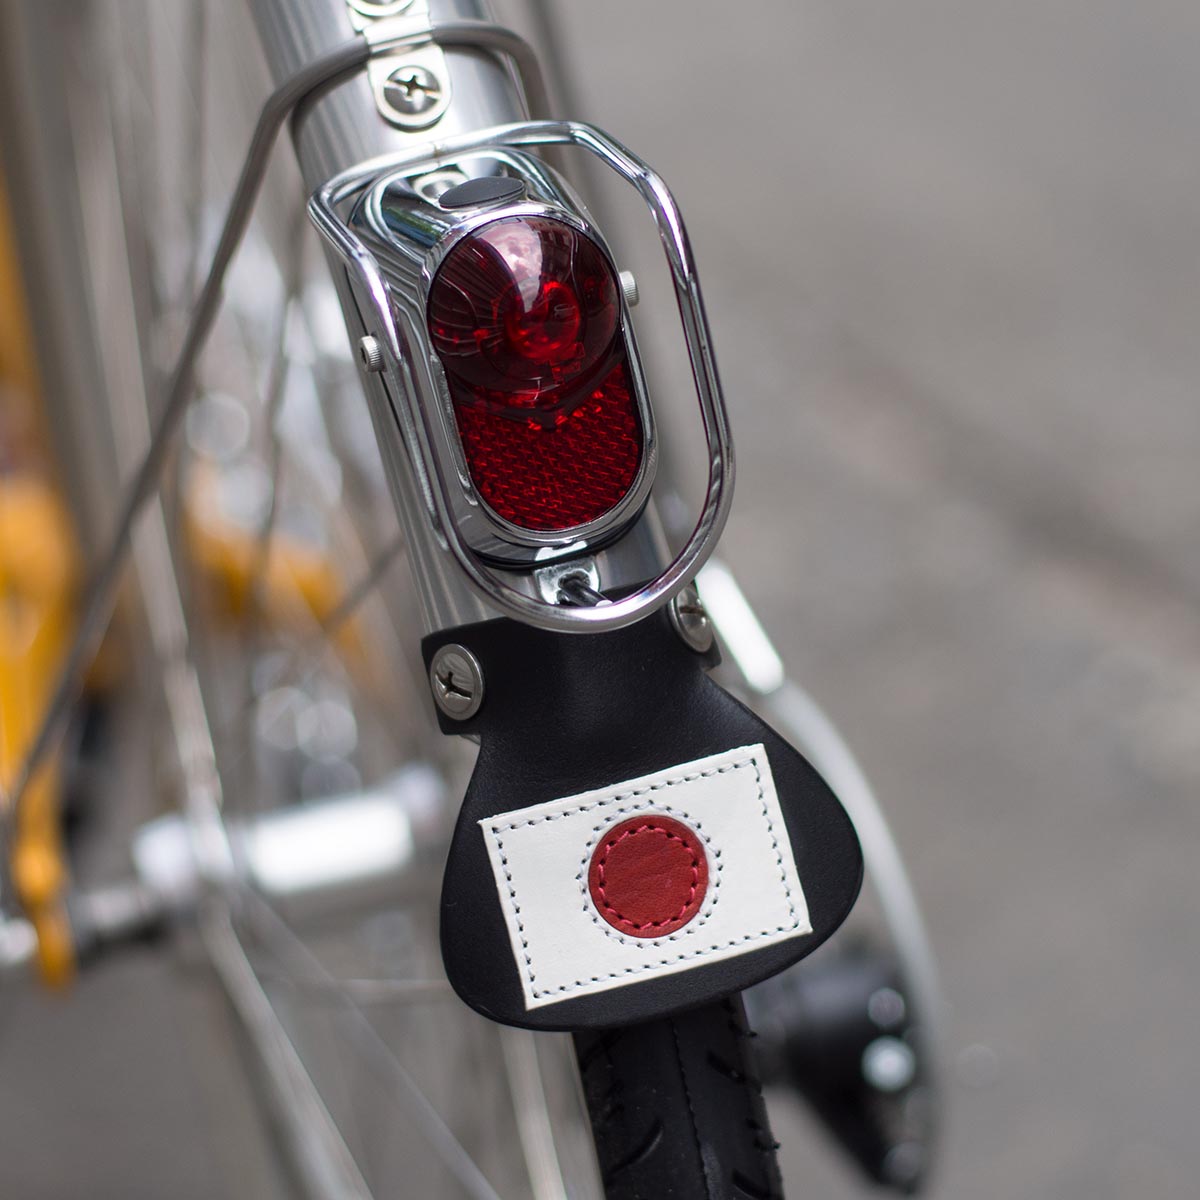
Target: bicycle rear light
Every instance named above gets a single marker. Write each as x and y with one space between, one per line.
525 315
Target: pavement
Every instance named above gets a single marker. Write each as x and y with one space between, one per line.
950 257
950 253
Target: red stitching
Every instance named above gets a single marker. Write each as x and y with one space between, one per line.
611 845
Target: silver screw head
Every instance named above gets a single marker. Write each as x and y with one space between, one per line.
371 354
629 288
690 619
411 90
457 681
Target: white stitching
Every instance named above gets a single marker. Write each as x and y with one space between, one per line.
751 761
654 787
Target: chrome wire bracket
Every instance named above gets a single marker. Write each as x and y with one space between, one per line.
413 385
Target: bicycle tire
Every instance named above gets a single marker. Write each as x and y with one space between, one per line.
677 1108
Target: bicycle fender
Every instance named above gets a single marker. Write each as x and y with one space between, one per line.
633 841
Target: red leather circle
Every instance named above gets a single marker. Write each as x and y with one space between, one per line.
648 875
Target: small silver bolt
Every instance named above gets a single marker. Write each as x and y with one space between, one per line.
457 681
412 90
690 619
629 288
371 354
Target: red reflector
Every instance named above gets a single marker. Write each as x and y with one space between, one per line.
564 474
524 314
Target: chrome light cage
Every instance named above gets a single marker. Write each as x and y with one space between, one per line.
414 393
410 236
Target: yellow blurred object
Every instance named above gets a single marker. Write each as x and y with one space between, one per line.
39 571
38 576
296 587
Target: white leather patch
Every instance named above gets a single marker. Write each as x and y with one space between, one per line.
540 857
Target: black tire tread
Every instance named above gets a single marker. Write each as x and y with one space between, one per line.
677 1110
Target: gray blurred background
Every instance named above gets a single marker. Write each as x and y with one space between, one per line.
956 302
955 294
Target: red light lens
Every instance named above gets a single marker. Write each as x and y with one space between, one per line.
525 317
546 331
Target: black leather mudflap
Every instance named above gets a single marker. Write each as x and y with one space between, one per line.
564 714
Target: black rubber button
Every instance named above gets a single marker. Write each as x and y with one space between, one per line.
491 189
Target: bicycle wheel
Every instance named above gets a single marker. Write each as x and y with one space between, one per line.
277 630
280 637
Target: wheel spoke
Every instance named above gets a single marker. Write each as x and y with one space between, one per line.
363 991
304 660
375 1052
316 1143
101 594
